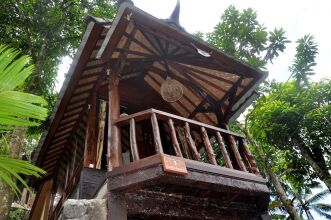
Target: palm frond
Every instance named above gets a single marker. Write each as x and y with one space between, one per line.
318 196
17 108
13 70
322 213
10 167
324 207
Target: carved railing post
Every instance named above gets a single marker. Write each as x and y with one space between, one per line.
209 148
156 134
133 140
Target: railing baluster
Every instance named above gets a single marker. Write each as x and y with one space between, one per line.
223 150
174 138
156 134
133 140
209 148
236 153
249 156
191 143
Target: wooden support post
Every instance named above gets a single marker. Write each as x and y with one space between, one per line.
90 136
249 156
223 150
174 138
114 140
236 153
156 134
209 148
191 143
133 140
40 209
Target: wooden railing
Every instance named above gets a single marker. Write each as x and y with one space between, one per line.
198 141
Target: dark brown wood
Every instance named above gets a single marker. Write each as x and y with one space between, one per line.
117 208
174 138
177 119
190 142
209 148
156 134
89 181
133 140
223 150
249 156
114 140
90 135
236 153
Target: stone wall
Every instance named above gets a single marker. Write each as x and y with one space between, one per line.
92 209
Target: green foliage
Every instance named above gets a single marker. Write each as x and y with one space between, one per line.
304 61
289 111
16 214
316 203
239 34
47 30
17 109
10 167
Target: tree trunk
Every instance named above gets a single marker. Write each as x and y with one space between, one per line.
320 169
7 194
281 192
274 179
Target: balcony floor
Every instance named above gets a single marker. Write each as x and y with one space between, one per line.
206 192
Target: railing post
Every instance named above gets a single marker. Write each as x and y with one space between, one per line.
249 156
191 143
223 150
156 134
236 153
133 140
209 148
174 138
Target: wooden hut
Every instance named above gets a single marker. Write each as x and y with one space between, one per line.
141 121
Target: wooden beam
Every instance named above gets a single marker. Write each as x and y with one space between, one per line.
90 135
114 149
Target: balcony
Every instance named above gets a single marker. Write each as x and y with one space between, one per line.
174 167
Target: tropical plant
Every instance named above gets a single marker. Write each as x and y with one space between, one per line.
239 34
17 109
306 202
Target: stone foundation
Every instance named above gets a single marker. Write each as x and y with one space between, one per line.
92 209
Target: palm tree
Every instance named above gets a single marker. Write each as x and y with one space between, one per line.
315 203
17 109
